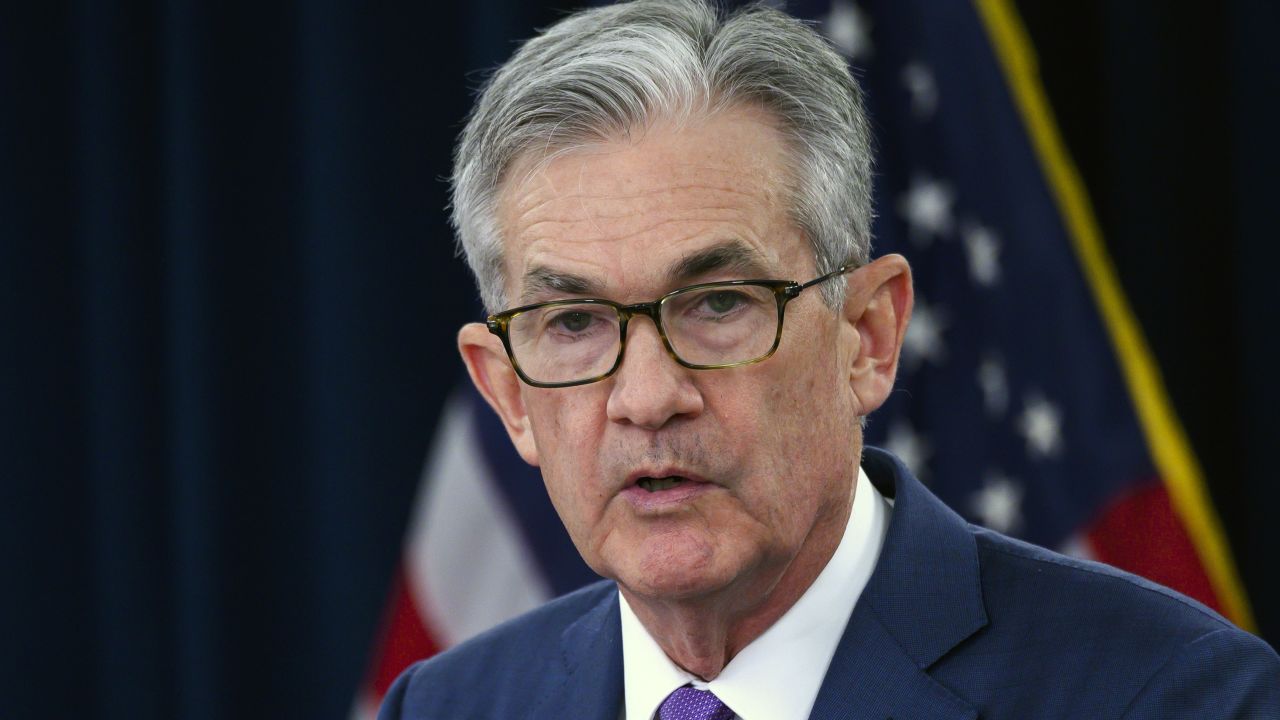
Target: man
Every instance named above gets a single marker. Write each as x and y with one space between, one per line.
667 212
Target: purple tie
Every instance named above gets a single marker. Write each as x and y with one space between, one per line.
688 703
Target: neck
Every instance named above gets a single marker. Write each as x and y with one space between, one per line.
702 634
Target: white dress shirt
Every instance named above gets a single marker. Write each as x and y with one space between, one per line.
777 675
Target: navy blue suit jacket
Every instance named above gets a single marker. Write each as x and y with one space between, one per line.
956 622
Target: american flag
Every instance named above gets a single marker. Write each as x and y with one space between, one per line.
1026 399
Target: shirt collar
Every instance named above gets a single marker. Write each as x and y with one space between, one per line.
776 676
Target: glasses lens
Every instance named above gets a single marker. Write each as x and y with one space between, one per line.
565 343
721 325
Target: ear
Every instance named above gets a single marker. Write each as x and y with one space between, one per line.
877 306
493 376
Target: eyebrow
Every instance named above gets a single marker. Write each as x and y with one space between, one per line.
731 255
542 280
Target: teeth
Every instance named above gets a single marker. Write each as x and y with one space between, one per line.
658 484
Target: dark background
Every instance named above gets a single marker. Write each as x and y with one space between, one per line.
228 298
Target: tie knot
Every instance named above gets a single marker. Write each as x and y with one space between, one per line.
689 703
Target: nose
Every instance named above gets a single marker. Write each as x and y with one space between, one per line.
650 388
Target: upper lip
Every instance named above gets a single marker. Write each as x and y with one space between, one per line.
638 475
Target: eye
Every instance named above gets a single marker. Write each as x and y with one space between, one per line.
574 322
722 301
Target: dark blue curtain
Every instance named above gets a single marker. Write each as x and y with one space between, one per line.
228 298
227 305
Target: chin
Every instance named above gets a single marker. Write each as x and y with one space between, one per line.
674 567
674 588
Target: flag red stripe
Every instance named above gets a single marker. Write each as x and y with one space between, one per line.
1140 532
405 638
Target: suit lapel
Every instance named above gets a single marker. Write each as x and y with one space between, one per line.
591 685
871 678
924 598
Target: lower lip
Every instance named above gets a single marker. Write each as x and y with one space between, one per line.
685 492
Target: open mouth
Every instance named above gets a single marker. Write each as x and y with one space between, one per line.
652 484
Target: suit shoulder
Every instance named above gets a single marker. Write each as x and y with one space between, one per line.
497 659
1221 674
539 629
1086 588
1066 637
1104 589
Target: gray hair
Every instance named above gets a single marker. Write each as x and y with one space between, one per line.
607 71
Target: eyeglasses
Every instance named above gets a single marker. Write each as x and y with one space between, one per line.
716 325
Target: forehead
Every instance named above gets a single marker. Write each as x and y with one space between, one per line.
635 214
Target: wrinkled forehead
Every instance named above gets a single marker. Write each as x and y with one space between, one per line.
673 205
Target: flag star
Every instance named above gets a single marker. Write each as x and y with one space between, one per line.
998 504
983 248
926 206
918 79
924 336
1041 425
994 384
849 30
906 443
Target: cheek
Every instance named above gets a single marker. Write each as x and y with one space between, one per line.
563 424
565 432
759 423
804 432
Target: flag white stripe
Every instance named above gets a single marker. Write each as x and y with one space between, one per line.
1077 546
468 565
